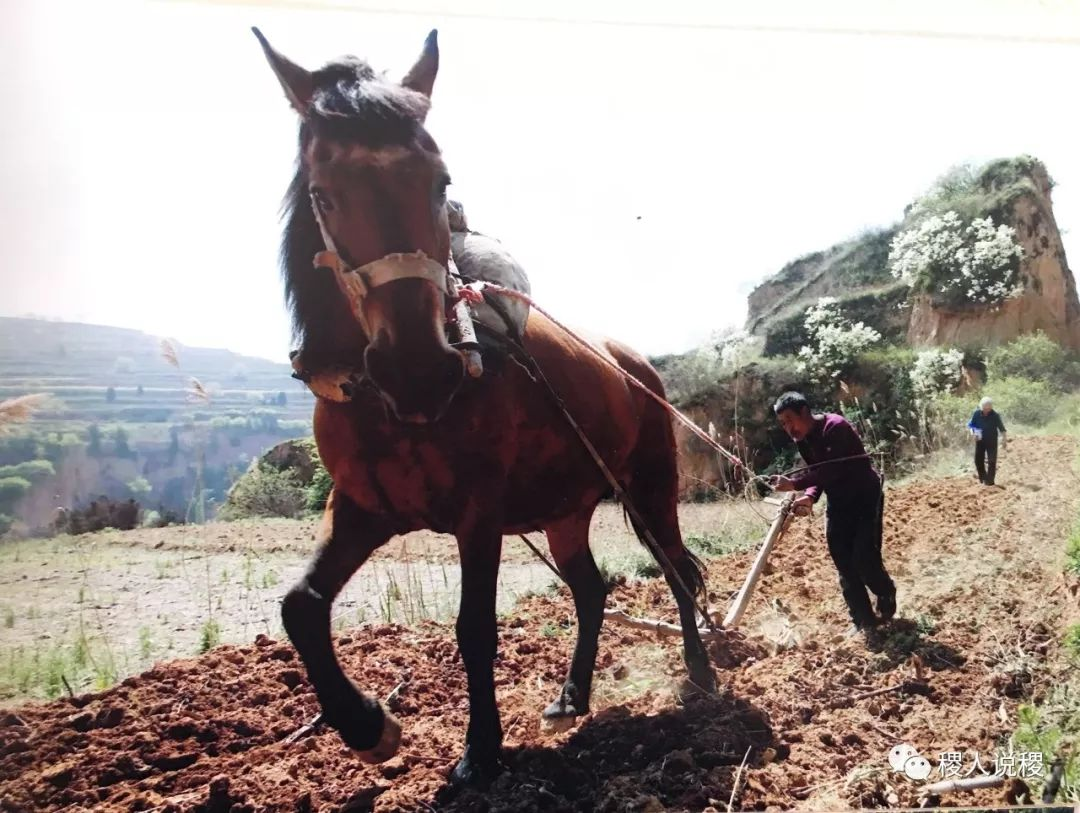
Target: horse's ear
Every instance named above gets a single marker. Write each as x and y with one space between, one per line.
421 77
295 81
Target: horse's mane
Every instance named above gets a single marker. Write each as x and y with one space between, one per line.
351 102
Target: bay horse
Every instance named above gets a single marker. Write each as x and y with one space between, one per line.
421 445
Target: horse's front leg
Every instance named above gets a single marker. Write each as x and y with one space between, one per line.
480 547
348 536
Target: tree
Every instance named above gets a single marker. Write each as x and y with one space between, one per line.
110 394
94 437
11 490
120 442
139 390
174 444
281 399
140 487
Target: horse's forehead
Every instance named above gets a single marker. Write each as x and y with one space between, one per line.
326 154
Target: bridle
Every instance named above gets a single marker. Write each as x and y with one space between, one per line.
356 283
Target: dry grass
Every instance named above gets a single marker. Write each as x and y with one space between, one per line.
168 352
197 392
17 410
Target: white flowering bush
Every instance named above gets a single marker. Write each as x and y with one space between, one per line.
935 371
736 349
973 263
835 341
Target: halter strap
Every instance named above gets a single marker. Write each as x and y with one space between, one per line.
356 283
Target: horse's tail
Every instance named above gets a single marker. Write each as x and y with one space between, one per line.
687 565
653 482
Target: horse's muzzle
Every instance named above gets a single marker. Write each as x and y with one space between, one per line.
416 393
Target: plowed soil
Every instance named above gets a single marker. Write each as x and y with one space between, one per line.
982 605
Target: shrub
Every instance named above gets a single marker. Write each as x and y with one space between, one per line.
32 470
1022 400
959 263
1036 357
736 349
99 514
689 375
263 491
318 490
836 341
11 491
935 371
1019 400
978 192
140 487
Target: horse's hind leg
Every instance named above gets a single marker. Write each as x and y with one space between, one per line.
569 544
348 537
654 490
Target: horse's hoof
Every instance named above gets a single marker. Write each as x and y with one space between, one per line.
476 771
560 716
561 708
698 685
356 729
388 743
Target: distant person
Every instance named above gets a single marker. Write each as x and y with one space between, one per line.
837 463
985 424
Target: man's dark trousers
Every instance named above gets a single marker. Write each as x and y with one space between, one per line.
854 534
986 469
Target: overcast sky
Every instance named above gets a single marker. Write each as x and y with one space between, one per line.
648 163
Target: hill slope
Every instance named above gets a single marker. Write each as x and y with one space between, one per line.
79 362
1015 192
123 422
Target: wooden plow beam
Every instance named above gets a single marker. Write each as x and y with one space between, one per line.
742 598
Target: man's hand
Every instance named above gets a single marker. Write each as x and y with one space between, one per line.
779 482
803 505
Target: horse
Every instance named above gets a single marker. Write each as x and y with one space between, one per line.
422 445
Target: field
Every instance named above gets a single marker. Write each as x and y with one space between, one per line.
986 608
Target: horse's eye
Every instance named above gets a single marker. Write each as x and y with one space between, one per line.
322 200
441 185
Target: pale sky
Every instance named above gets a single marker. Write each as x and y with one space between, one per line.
647 162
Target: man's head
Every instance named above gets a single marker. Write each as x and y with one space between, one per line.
793 411
986 404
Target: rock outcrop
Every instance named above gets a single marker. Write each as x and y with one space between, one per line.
1049 302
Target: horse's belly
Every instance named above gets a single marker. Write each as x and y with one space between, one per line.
553 478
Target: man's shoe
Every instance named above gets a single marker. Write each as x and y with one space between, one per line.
855 630
865 631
